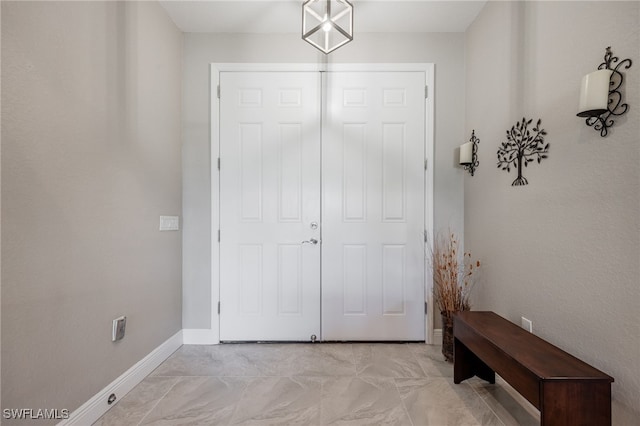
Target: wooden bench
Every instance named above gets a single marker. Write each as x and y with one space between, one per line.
566 390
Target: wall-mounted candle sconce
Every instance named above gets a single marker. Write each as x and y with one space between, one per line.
469 154
600 95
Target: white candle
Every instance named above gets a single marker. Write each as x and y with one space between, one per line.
466 153
594 93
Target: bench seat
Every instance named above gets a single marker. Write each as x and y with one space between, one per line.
566 390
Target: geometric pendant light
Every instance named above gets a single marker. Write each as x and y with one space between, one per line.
327 24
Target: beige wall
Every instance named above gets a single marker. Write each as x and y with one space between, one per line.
446 51
1 406
563 251
91 156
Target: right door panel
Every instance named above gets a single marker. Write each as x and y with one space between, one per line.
373 206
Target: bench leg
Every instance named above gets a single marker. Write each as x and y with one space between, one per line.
466 365
580 402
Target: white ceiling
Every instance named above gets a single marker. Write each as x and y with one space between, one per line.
285 16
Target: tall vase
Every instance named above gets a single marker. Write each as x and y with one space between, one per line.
447 335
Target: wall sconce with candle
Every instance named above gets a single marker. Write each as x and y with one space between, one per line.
600 95
469 154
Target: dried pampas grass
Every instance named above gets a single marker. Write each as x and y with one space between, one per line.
454 274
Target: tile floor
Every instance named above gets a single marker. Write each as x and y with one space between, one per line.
315 384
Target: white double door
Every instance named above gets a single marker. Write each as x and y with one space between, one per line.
322 212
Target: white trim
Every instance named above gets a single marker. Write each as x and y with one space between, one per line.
94 408
215 202
301 67
197 336
217 68
429 207
437 336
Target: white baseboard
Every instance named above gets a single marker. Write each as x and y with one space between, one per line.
199 336
94 408
437 336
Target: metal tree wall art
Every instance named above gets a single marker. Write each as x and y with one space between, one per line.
522 147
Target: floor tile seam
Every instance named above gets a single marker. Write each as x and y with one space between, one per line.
176 380
264 376
415 358
326 376
381 376
208 375
317 376
404 406
248 384
321 402
237 403
486 403
354 361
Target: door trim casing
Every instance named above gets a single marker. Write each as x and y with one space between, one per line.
217 68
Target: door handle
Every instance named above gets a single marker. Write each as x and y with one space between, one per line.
310 241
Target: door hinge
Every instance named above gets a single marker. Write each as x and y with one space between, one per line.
218 308
218 163
218 235
426 92
426 164
218 91
426 237
426 310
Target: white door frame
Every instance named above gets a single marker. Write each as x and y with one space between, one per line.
213 334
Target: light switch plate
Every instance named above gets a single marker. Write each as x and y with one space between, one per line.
119 325
169 223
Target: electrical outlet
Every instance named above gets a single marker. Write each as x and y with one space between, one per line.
119 325
527 325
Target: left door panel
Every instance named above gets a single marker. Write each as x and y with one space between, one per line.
269 198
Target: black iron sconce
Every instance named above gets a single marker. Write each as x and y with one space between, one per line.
600 95
469 154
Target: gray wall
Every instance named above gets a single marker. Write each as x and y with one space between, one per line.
1 406
446 51
563 251
91 144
